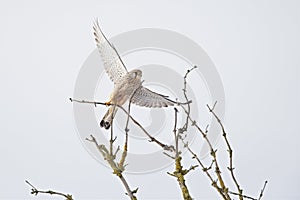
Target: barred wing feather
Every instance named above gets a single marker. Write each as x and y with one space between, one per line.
148 98
113 64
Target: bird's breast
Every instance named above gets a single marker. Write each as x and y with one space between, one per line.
124 89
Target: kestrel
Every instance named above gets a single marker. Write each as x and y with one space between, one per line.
126 84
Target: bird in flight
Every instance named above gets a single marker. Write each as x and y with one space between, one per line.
127 84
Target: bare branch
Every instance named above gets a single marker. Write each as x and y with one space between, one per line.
151 138
230 151
205 170
243 196
176 134
35 191
262 190
224 189
172 157
185 95
112 139
124 154
193 167
179 173
117 170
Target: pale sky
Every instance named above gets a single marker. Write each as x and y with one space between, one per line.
254 45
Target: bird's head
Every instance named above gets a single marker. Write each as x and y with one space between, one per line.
136 73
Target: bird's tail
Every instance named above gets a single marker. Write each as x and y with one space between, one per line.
107 119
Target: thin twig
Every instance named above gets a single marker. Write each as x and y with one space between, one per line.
212 153
223 190
124 154
262 190
184 128
179 172
205 170
35 191
243 196
230 151
112 139
176 135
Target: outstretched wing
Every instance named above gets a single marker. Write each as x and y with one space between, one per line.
113 64
148 98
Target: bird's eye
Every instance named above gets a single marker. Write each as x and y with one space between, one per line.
133 75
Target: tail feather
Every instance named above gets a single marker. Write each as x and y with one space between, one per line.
107 119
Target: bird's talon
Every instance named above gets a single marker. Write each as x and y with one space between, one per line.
108 103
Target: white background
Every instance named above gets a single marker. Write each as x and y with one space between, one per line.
255 46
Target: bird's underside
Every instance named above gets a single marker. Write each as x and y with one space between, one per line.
126 84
